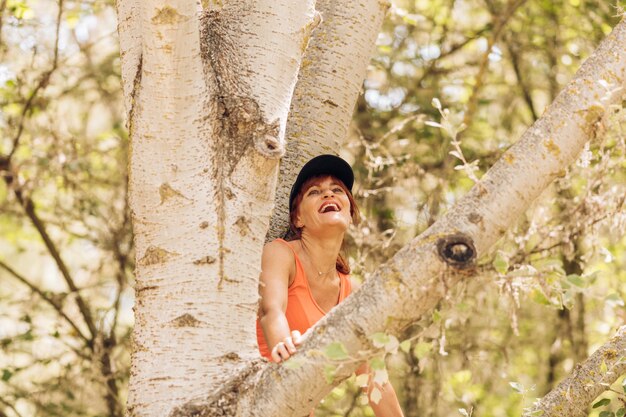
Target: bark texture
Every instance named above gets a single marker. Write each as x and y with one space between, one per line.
420 274
207 93
328 85
588 380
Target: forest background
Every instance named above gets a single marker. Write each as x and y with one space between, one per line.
451 85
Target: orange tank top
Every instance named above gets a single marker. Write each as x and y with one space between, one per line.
302 310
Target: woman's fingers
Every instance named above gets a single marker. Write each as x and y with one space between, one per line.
289 345
280 352
296 337
283 350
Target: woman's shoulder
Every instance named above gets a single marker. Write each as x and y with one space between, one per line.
279 246
279 250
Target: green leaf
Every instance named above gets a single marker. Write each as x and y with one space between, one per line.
377 363
329 372
501 263
607 414
392 344
539 297
362 380
6 375
517 387
376 396
405 346
436 316
336 351
602 402
422 349
379 339
464 412
621 412
576 280
614 299
381 377
603 367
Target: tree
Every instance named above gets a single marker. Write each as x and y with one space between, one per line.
202 191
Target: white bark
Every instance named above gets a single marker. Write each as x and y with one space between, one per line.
207 94
419 275
588 380
328 85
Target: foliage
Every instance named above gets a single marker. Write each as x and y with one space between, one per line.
65 246
452 85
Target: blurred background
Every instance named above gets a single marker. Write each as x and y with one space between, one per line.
452 84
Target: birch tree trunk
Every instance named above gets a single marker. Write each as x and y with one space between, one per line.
588 380
207 95
420 274
208 92
329 82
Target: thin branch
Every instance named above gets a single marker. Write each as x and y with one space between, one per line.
3 6
29 207
499 24
515 61
41 85
11 406
56 305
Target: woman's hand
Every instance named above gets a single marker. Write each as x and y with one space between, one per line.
284 349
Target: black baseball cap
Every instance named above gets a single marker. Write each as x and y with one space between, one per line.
323 165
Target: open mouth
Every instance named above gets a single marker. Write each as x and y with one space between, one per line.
329 207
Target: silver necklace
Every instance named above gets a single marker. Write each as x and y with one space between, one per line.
319 273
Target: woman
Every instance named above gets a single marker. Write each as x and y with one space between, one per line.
304 278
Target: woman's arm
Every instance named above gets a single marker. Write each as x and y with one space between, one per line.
388 406
277 265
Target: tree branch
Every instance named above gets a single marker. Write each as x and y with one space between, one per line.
515 61
500 23
55 304
11 406
41 85
420 275
588 380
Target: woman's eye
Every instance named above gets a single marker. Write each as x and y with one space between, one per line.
313 192
338 190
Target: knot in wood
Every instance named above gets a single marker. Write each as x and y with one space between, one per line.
457 250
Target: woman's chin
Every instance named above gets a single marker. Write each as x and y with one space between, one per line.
340 224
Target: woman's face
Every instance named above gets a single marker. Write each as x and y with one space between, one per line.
324 206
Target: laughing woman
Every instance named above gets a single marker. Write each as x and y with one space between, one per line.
304 278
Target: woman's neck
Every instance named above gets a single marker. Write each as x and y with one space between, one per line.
322 252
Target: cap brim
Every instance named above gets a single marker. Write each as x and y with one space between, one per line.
323 165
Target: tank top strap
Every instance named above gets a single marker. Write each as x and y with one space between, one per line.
299 279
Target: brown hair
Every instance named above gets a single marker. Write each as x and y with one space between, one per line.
295 233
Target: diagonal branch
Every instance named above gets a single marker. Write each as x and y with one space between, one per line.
515 61
29 208
41 85
54 303
499 24
411 284
588 380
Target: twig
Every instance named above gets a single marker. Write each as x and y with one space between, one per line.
57 306
499 24
41 85
515 61
11 406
